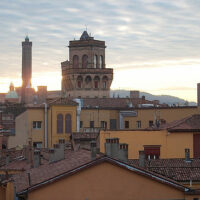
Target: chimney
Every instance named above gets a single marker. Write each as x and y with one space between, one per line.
143 100
141 159
114 147
123 152
198 94
93 148
52 155
187 155
7 159
59 151
62 148
36 158
108 147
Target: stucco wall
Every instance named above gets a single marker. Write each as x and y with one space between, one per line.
173 145
106 181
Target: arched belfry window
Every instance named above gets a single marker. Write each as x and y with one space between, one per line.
68 123
84 61
96 82
105 82
88 82
75 61
101 62
95 61
79 82
59 123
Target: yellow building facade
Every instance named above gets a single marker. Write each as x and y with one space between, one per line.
32 125
169 145
132 118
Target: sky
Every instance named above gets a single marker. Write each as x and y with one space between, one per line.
152 45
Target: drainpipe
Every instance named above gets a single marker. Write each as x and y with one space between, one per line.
45 126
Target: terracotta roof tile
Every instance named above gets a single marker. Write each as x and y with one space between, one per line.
176 169
191 123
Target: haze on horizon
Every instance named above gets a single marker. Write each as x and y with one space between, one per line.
152 45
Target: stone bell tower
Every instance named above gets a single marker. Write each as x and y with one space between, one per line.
85 74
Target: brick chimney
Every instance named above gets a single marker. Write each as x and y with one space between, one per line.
141 159
93 148
123 152
187 155
36 158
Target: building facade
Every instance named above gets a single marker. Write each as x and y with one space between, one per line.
85 74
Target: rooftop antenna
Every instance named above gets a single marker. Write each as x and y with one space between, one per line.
86 27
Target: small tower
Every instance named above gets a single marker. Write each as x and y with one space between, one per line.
26 66
85 74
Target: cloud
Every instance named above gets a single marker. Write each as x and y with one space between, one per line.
138 34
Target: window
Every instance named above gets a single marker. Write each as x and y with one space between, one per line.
81 124
96 85
68 123
75 61
152 151
104 85
95 61
37 124
84 61
79 84
37 144
126 124
59 123
103 124
101 62
150 123
113 123
79 81
138 124
104 82
91 124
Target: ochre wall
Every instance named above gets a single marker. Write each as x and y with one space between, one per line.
21 131
168 114
173 145
144 115
25 130
53 112
106 181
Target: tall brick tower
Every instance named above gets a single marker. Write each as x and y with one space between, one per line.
26 66
85 74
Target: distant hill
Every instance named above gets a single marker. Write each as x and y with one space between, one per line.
162 98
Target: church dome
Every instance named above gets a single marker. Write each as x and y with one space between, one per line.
11 95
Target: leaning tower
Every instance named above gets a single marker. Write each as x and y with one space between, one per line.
85 74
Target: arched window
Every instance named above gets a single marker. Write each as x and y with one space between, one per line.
79 81
96 82
95 61
68 123
84 61
88 82
59 123
101 62
104 82
75 61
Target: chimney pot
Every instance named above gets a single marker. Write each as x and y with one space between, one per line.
123 152
141 159
36 158
7 159
93 147
187 154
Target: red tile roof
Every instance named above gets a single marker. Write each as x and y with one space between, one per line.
191 123
176 169
113 102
